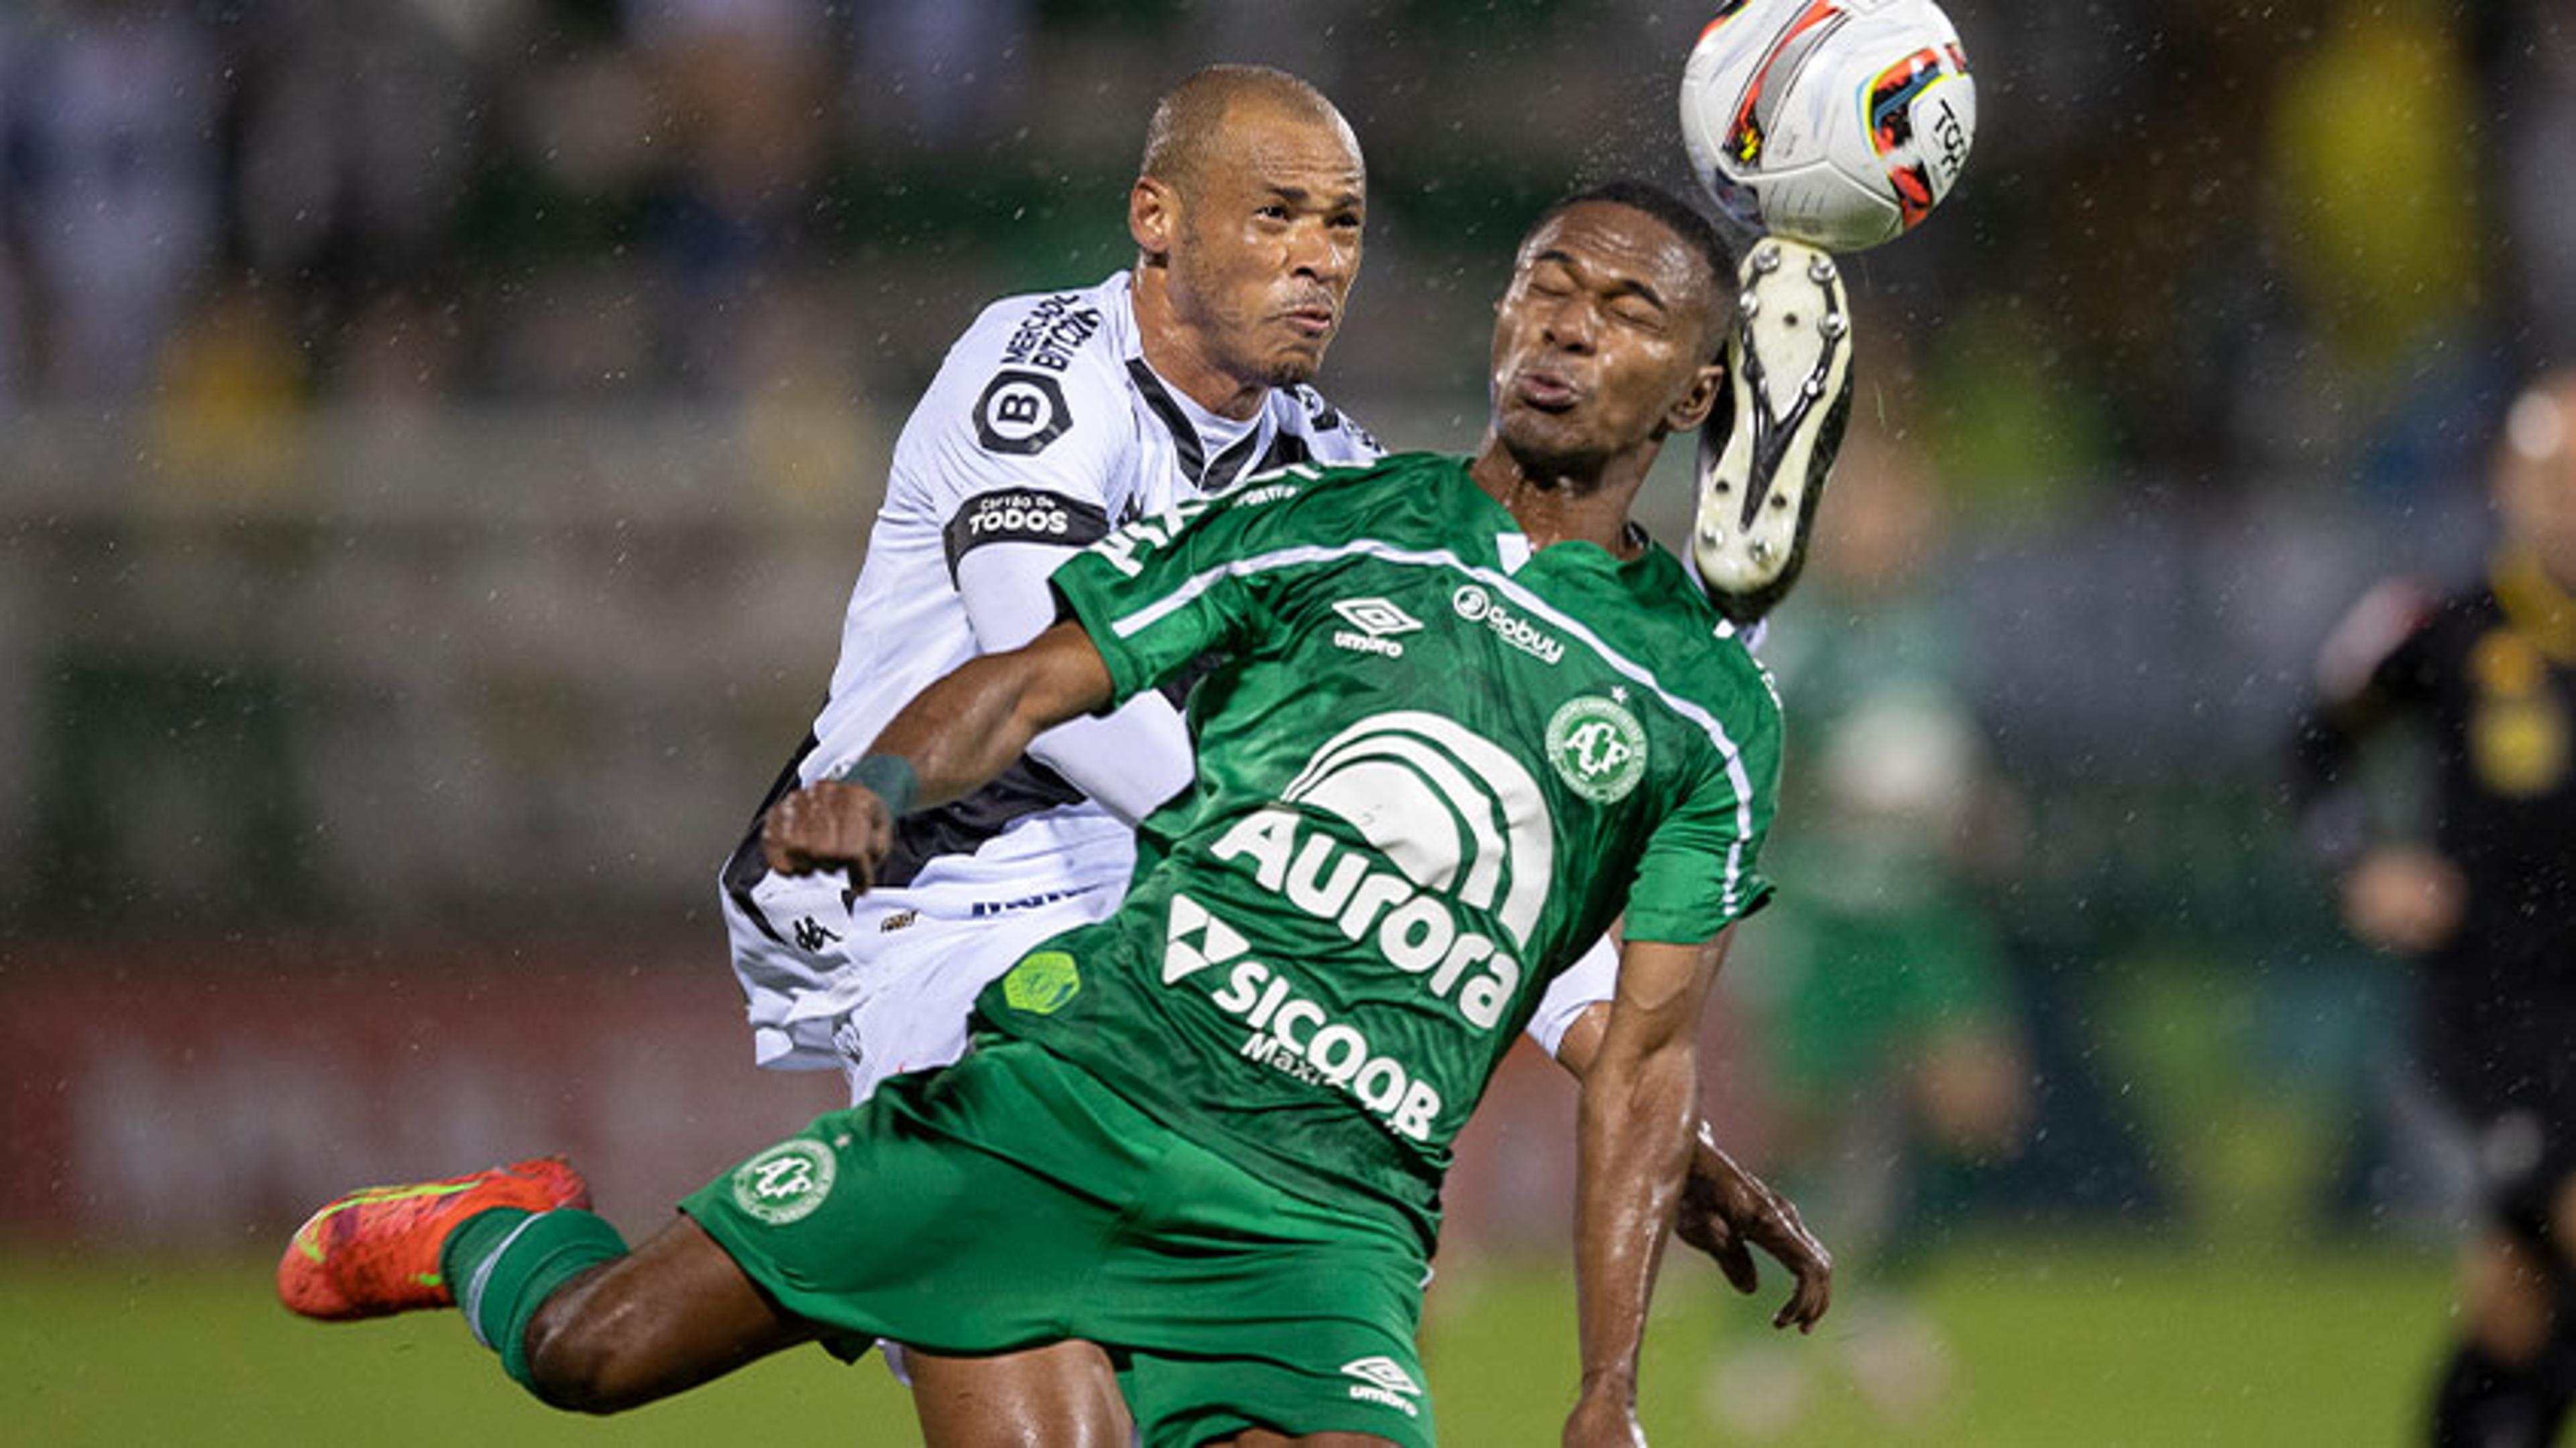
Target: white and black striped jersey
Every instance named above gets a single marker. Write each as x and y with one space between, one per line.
1043 430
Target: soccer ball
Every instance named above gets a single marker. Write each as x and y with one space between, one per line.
1839 123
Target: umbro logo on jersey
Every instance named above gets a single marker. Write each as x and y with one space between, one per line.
1372 622
1383 1380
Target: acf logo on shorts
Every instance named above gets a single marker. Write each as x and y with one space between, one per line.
1042 983
1598 747
785 1183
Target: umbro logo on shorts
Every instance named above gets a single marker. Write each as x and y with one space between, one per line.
1383 1380
1372 622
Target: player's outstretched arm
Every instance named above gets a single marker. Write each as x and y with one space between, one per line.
1633 1145
954 737
1727 1211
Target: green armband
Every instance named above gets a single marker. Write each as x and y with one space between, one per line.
889 775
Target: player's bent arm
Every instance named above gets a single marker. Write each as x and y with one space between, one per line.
954 737
1640 1101
1727 1211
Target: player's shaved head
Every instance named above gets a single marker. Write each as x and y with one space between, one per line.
1189 124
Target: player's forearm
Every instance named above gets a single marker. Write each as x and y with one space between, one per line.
1634 1147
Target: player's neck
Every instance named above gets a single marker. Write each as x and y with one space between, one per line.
1564 506
1179 357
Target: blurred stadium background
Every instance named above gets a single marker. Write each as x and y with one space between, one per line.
436 438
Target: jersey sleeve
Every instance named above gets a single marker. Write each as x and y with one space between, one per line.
1700 871
1592 979
1006 450
1161 592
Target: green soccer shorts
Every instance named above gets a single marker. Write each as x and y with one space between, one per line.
1012 1200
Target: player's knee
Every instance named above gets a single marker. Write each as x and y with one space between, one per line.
587 1361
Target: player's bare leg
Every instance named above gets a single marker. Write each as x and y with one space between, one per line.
585 1323
1064 1395
674 1313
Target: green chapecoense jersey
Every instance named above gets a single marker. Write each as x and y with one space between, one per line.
1432 768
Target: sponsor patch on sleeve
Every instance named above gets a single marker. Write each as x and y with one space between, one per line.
1022 515
1021 412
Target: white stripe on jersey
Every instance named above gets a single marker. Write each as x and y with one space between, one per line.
1146 617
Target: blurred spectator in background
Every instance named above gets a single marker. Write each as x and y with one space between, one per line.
1876 989
120 180
548 200
944 73
2482 891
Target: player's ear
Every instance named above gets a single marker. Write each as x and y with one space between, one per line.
1707 383
1153 216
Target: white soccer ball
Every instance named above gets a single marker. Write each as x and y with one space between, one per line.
1839 123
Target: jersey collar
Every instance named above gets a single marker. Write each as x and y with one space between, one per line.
1213 452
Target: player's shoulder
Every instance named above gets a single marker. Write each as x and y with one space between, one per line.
1330 434
1050 331
1354 496
1033 368
1701 656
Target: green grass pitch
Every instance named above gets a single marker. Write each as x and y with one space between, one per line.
2137 1342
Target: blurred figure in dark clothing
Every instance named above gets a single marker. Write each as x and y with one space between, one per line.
2484 896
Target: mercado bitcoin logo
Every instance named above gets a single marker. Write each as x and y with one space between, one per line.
785 1183
1597 747
1041 984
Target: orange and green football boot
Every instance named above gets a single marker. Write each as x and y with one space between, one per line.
375 1251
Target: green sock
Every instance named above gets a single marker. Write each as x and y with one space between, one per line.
503 1264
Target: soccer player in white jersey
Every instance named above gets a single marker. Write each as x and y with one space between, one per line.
1055 418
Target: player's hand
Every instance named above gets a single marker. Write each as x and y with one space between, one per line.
829 825
1726 1211
1604 1418
2404 898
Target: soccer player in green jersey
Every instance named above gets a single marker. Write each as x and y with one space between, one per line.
1462 715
